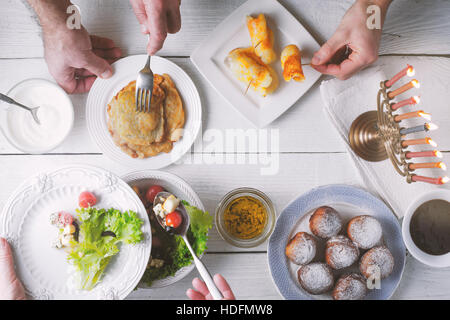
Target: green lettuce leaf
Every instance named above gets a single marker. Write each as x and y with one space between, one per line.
92 254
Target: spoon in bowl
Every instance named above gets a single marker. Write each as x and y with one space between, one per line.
181 231
33 111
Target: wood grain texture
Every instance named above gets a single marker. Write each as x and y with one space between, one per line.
247 273
310 152
422 282
297 174
255 283
303 128
412 27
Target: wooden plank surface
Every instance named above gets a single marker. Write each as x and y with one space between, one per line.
303 128
297 174
310 152
412 27
247 273
255 283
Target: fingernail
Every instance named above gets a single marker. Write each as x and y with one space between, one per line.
143 28
150 50
2 243
107 74
316 59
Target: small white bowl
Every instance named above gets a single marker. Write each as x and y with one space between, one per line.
5 128
438 261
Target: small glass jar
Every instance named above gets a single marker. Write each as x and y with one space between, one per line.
269 223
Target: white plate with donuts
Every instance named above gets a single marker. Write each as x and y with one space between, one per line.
337 242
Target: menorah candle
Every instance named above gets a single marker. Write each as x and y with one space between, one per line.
409 70
406 102
414 114
413 142
425 127
440 180
421 154
412 84
440 165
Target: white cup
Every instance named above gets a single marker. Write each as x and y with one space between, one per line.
439 261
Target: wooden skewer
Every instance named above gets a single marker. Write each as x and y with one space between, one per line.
257 44
248 87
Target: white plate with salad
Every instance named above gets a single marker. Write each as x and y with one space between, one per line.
78 232
170 259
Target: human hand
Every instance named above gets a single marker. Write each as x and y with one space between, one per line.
201 291
353 33
10 286
75 58
157 17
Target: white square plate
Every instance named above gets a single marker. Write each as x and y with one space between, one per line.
232 33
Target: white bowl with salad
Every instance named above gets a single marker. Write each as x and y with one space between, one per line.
170 260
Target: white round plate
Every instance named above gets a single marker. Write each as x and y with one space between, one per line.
181 190
349 202
125 71
25 223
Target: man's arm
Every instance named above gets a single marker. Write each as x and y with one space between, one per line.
354 33
157 18
74 58
50 12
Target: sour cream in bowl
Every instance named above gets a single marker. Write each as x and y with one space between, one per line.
55 114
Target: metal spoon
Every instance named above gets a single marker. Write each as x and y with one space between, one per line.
182 231
14 102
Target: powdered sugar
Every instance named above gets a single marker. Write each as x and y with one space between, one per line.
365 231
316 278
302 248
341 252
350 287
325 222
377 259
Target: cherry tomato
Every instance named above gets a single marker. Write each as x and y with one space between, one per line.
152 192
87 199
65 218
173 219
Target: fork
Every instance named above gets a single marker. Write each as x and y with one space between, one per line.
144 88
33 111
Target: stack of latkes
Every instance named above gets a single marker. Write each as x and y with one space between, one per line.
143 135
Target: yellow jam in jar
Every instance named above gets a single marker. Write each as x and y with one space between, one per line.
245 217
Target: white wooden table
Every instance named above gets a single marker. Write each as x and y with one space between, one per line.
310 152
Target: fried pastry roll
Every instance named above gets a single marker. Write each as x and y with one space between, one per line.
262 38
291 62
249 69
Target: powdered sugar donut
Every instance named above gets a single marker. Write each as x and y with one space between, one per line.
325 222
378 259
365 231
316 278
302 248
350 287
341 252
